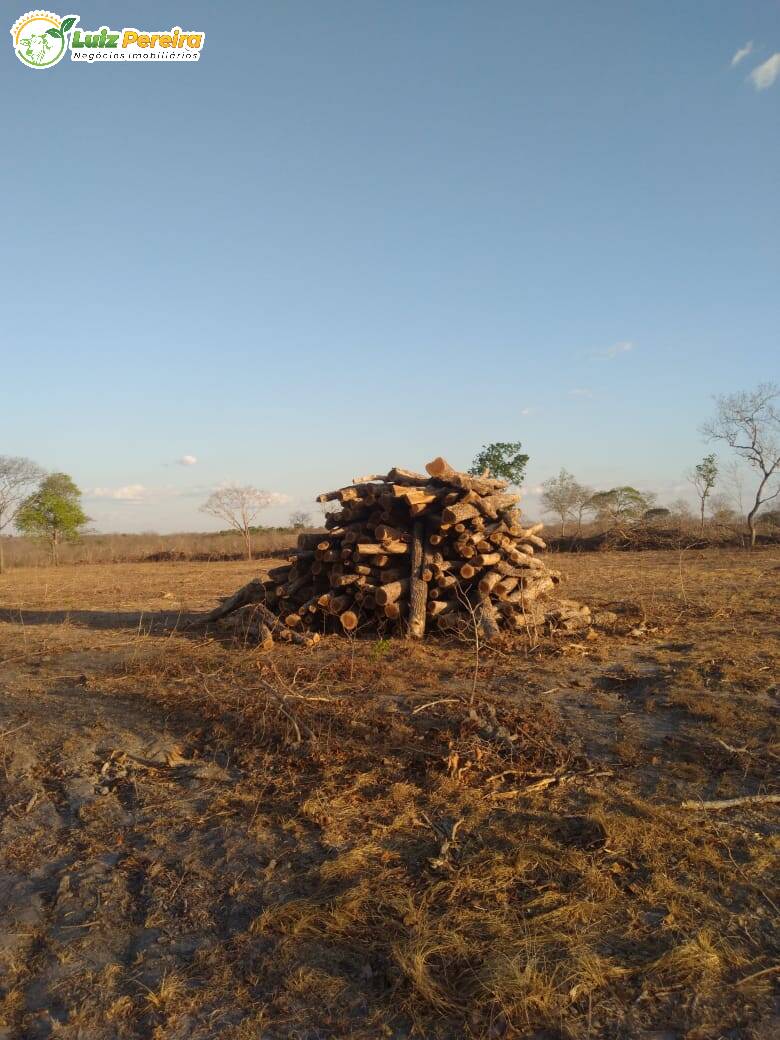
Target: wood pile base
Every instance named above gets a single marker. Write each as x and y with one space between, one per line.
407 553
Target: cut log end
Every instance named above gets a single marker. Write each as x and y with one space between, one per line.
349 620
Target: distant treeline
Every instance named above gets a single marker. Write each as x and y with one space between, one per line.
132 548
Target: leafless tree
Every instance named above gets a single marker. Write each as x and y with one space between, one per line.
239 506
17 476
567 498
749 422
681 512
582 503
722 511
734 481
300 519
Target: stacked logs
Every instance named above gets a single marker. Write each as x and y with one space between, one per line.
409 552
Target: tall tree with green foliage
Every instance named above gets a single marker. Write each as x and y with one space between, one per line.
703 477
620 504
53 512
503 459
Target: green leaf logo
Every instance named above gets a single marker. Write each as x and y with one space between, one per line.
41 38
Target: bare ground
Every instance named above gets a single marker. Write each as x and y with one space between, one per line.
372 839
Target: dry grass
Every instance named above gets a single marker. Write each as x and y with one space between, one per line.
130 548
412 865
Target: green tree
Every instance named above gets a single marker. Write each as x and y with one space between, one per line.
502 459
703 477
658 513
53 512
620 504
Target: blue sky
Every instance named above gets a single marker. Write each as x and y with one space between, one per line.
359 234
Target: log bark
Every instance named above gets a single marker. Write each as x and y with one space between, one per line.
446 581
417 587
441 470
491 505
488 622
505 586
385 533
488 582
393 548
460 511
487 559
252 592
391 592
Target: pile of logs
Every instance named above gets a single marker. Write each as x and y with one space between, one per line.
407 552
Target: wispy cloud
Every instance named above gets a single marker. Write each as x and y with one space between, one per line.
763 76
624 347
742 53
580 391
128 493
528 411
278 498
187 460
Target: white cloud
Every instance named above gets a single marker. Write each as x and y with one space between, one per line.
187 460
278 498
763 76
128 493
742 53
580 391
527 411
624 347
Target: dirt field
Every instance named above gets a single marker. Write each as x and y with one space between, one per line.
374 839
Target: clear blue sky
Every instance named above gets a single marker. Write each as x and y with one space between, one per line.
364 233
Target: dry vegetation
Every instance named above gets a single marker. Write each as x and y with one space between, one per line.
132 548
371 838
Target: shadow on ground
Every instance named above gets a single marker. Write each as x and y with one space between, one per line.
138 620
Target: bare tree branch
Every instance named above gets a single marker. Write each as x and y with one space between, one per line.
17 475
239 506
749 422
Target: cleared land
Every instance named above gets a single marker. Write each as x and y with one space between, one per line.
373 838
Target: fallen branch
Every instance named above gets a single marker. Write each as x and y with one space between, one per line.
734 750
759 974
252 592
730 803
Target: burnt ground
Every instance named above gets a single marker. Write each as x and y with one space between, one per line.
374 839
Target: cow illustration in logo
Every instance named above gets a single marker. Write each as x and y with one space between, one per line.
39 38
